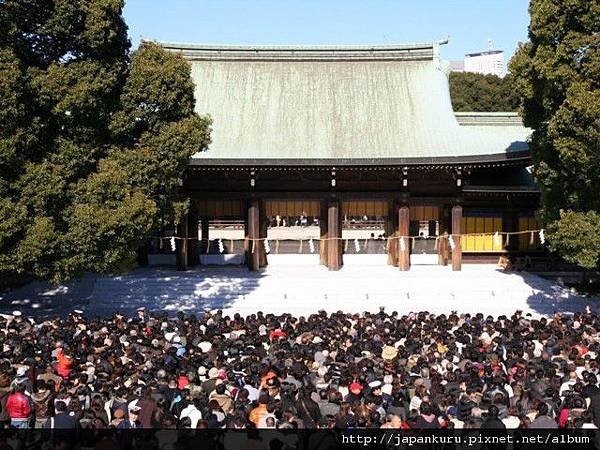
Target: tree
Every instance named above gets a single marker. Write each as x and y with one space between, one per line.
483 93
557 74
94 140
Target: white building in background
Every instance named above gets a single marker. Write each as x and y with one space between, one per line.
487 62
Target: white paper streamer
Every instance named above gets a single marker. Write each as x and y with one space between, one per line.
542 237
267 246
451 242
497 239
356 245
172 244
311 246
221 246
402 244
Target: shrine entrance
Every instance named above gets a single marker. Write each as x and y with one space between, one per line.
364 226
424 230
293 228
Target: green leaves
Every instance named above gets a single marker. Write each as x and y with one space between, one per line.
477 92
558 77
94 142
104 236
575 236
159 89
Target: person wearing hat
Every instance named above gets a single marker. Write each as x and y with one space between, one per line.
451 415
354 392
389 352
132 420
22 377
209 385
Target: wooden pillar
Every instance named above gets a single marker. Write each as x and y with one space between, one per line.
334 230
181 244
457 251
340 242
443 247
263 227
253 259
403 232
323 234
246 236
443 251
193 242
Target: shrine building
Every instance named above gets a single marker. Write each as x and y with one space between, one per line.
332 132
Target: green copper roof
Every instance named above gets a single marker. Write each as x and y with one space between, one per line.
351 102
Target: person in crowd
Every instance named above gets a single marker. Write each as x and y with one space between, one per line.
62 419
132 421
18 407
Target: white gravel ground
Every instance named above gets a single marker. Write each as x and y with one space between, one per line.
297 284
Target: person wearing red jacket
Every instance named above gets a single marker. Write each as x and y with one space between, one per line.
18 408
63 368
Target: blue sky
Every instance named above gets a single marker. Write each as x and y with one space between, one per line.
468 23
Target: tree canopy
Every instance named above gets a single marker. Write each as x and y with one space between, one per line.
557 74
94 140
482 93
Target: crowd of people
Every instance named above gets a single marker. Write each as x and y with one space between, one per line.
417 371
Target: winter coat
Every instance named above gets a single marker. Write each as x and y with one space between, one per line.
18 406
62 421
257 413
4 394
465 405
223 400
493 423
63 368
41 404
544 422
429 422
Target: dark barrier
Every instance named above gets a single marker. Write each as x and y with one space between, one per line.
284 439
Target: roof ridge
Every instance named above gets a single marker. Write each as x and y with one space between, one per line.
292 47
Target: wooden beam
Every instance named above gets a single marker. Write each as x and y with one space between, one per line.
334 230
457 251
253 259
403 231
